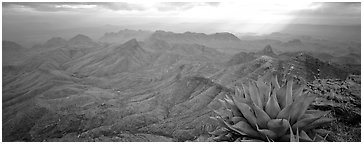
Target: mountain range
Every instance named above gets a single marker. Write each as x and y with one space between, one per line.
148 86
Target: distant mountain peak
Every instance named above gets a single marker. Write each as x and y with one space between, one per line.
225 36
132 43
194 33
125 35
130 47
81 37
162 33
55 41
81 40
115 59
195 36
267 51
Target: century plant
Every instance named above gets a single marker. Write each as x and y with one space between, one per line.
265 111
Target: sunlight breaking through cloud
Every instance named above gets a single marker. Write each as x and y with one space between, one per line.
76 6
232 16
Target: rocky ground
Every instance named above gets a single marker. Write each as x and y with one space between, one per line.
343 98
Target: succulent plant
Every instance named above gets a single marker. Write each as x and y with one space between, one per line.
265 111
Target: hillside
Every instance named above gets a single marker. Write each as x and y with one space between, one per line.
164 88
311 68
13 53
55 42
114 59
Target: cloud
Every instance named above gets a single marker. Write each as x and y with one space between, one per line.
333 9
120 6
342 4
182 6
19 17
73 6
49 7
212 3
345 8
334 13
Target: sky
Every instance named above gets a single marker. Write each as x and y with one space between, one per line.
33 21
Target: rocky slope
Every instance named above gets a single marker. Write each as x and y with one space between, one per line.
70 99
311 68
114 59
343 98
157 90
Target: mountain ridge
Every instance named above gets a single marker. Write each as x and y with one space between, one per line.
114 59
151 90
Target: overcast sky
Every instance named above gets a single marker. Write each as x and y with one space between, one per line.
22 19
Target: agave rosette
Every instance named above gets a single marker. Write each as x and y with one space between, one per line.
265 111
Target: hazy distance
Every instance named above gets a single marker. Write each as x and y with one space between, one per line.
31 23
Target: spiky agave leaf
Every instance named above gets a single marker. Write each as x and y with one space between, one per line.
297 92
289 92
237 119
261 116
304 136
297 138
317 123
268 115
244 128
279 126
275 82
255 94
300 106
293 138
281 96
267 134
235 111
272 107
285 113
300 136
265 91
306 122
237 99
246 93
247 113
318 138
295 110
